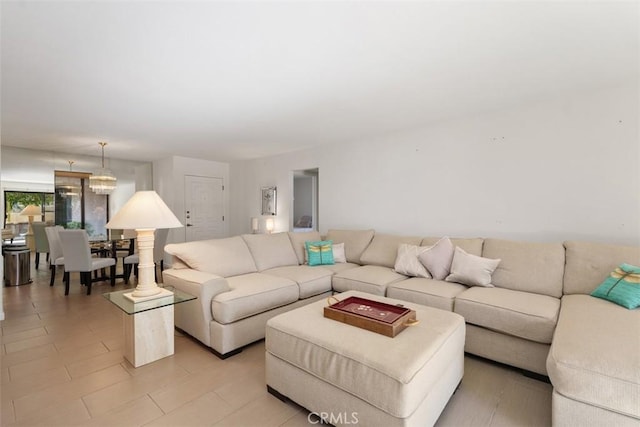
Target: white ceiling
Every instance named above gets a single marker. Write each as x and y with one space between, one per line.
238 79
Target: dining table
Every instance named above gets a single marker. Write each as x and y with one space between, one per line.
115 248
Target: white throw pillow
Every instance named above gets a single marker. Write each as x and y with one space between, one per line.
407 262
437 259
472 270
338 253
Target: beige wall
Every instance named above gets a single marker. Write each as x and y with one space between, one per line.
563 168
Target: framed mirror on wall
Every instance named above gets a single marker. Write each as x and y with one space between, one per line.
76 206
269 200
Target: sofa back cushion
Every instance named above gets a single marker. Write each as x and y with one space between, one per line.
355 242
224 257
526 266
271 250
298 239
383 249
588 264
471 246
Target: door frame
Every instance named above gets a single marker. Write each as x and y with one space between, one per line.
314 173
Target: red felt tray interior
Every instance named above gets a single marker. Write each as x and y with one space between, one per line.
383 312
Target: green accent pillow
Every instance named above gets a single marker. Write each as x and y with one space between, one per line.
621 287
320 253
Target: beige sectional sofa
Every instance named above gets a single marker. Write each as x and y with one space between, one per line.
538 316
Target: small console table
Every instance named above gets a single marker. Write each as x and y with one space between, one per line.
148 325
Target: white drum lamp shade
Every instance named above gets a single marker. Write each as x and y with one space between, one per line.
145 212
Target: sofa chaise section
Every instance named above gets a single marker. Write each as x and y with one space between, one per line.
594 362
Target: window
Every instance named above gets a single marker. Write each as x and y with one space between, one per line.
16 201
76 206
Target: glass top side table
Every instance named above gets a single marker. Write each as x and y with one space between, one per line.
148 325
130 307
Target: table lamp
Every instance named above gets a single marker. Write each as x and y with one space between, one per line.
31 211
144 212
269 225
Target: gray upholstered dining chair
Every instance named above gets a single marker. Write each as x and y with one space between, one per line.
77 258
55 250
41 241
159 243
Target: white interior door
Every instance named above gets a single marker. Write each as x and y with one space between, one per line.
204 207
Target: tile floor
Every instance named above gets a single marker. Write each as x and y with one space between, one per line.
62 365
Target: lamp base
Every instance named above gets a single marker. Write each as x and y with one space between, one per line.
163 293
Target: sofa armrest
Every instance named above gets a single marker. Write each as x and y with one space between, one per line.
203 285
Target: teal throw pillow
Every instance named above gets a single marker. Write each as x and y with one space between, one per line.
621 287
320 253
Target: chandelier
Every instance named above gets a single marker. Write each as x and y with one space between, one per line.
103 181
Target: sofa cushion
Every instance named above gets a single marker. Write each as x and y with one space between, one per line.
338 267
429 292
311 280
587 264
528 267
372 279
521 314
224 257
471 270
252 294
383 249
621 287
595 356
408 263
298 239
271 250
355 242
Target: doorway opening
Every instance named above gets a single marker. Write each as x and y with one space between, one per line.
305 200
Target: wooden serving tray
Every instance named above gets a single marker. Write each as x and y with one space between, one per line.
374 316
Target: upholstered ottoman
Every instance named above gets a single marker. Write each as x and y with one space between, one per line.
349 375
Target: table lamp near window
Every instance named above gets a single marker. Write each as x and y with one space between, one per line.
144 212
31 211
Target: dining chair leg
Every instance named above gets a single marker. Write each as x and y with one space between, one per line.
37 259
112 272
127 273
53 274
88 281
66 282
